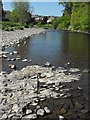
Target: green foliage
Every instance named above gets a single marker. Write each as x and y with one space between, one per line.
75 17
20 12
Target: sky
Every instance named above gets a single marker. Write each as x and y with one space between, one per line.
41 8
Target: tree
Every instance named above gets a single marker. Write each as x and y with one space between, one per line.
21 12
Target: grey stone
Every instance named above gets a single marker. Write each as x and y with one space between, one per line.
28 111
40 112
47 110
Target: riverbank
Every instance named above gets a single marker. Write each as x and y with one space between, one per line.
10 38
38 92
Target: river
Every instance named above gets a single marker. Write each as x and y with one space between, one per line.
56 47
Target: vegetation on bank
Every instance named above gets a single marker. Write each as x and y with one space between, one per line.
75 17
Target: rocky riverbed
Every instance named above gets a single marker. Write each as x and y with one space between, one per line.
13 37
38 92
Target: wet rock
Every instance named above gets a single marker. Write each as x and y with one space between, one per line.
11 53
61 117
12 66
15 52
40 112
63 111
47 64
4 56
25 60
13 59
18 58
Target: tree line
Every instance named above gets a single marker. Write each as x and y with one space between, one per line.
75 17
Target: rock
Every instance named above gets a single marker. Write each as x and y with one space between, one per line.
28 111
13 59
85 111
31 116
47 64
61 117
63 111
47 110
18 58
78 105
15 108
38 107
67 95
74 70
4 56
12 66
25 60
15 52
42 76
40 112
4 116
11 53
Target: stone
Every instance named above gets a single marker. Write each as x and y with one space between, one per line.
47 110
28 111
47 64
12 66
74 70
4 56
40 112
15 52
13 59
25 60
63 111
5 116
18 58
31 116
61 117
11 53
42 76
15 108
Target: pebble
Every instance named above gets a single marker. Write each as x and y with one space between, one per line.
25 60
31 116
40 112
47 64
47 110
63 111
61 117
28 111
15 108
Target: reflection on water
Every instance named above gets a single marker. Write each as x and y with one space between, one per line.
57 47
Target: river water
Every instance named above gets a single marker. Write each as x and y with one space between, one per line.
57 47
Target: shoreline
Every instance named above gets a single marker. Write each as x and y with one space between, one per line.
10 38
